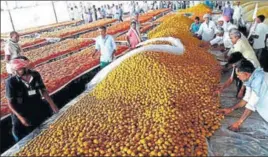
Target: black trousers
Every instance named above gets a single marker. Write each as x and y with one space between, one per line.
19 131
121 18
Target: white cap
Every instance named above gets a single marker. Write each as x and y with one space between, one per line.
206 16
221 19
232 27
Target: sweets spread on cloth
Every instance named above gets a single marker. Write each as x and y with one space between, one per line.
151 104
56 74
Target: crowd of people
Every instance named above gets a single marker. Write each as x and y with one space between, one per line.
24 91
92 12
248 60
25 88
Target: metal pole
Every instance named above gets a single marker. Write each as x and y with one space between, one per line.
11 20
54 11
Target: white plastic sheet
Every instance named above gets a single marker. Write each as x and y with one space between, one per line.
251 140
178 49
173 41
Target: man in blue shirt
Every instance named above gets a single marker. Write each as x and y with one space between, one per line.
209 4
256 97
228 11
103 11
106 46
196 25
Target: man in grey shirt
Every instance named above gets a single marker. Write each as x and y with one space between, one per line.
12 49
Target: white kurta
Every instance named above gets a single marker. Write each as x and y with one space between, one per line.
261 30
207 31
243 46
217 40
14 50
72 14
77 15
237 12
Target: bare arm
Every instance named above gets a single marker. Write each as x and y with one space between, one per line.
225 85
242 103
128 41
241 92
245 115
228 83
114 46
218 48
21 50
7 58
235 126
229 110
7 53
94 53
205 44
50 101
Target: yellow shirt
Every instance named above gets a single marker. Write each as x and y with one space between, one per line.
243 46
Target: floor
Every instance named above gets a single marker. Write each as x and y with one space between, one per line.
252 139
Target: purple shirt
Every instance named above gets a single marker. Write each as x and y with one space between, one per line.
228 12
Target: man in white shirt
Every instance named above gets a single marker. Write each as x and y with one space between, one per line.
145 6
109 12
217 42
242 45
105 44
137 7
99 14
207 29
256 97
77 15
237 13
132 9
259 35
12 50
224 24
72 14
159 4
226 38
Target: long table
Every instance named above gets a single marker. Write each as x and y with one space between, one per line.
44 126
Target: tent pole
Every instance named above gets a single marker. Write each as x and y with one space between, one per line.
10 17
54 11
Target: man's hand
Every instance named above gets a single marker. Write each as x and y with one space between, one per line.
24 122
226 111
219 86
218 91
55 110
94 55
202 45
195 35
235 127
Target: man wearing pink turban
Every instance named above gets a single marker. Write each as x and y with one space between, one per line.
24 92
